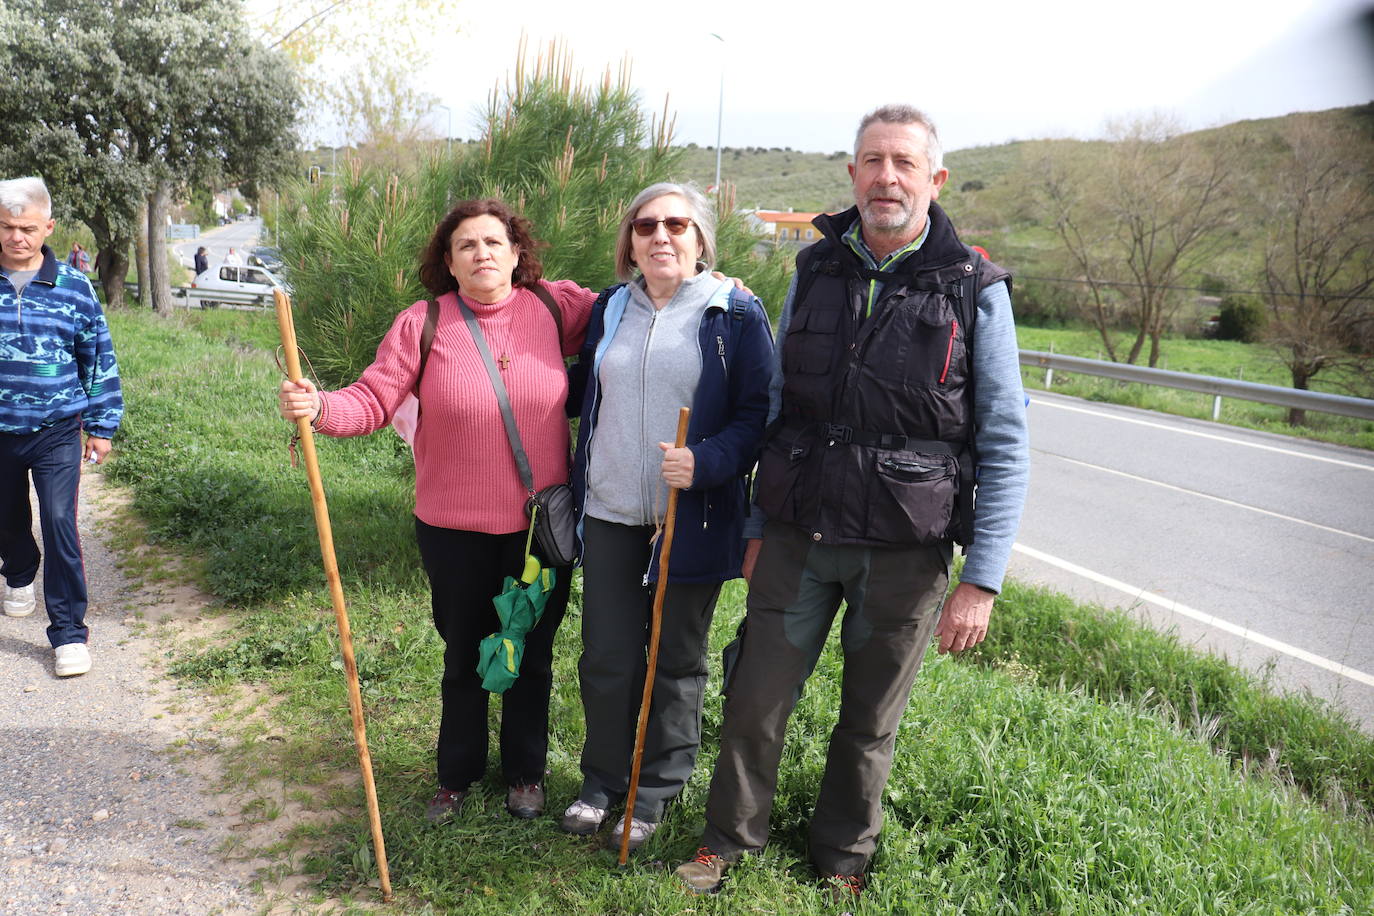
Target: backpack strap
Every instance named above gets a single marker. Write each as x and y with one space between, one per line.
542 291
427 339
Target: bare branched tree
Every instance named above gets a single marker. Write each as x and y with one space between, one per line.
1138 218
1317 275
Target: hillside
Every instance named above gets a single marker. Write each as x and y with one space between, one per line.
779 178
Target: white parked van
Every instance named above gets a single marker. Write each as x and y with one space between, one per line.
232 284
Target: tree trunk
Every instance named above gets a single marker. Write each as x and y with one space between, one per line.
114 267
1301 377
1136 346
141 257
159 281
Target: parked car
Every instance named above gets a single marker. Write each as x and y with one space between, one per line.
266 257
230 284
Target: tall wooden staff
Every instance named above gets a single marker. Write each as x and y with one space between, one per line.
683 415
331 572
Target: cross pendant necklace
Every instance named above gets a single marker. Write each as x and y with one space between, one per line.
504 360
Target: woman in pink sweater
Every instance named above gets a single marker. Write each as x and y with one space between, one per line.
469 502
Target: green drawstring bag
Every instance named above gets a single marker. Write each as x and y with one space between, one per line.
519 607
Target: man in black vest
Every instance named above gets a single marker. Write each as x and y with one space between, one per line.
899 391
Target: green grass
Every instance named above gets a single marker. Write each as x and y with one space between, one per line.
1221 358
1060 770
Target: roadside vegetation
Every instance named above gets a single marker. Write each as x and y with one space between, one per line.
1079 763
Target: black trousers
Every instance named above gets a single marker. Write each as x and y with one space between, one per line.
466 570
616 610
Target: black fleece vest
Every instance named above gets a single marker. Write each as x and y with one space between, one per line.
874 444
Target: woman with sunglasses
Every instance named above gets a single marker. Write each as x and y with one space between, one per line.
674 335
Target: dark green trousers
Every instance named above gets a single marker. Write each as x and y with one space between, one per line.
892 598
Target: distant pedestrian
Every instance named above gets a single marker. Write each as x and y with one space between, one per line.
58 373
202 260
233 257
78 258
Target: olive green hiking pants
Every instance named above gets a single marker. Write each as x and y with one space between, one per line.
892 598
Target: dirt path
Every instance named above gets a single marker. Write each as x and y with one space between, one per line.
106 802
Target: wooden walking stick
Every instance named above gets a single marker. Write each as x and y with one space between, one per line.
655 624
331 572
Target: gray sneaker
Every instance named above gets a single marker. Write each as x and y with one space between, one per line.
19 602
705 873
583 819
640 831
442 806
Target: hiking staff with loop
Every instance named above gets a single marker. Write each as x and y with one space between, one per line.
684 414
306 436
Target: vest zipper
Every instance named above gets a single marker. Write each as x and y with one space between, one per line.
949 351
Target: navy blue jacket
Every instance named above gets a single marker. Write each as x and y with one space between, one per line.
725 433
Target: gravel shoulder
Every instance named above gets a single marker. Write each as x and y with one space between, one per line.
107 802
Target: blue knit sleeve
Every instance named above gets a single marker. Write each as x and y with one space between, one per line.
1002 439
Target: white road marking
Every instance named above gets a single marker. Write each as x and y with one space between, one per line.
1220 499
1192 432
1169 604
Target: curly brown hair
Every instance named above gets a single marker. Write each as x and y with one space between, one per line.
434 272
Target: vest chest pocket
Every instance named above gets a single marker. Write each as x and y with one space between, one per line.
811 341
911 497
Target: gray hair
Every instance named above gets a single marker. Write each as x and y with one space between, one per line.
20 194
905 114
703 218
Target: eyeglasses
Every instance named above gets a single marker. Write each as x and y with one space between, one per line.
676 225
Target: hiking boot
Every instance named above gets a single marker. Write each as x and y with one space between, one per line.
640 831
525 802
582 819
705 873
443 805
71 659
844 889
19 601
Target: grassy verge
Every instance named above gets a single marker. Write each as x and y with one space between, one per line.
1221 358
1009 792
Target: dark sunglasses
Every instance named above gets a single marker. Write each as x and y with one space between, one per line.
676 225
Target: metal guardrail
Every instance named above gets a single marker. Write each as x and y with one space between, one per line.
191 297
1362 408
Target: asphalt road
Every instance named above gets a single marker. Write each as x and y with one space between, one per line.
1255 546
239 235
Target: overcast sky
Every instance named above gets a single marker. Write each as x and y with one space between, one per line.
801 74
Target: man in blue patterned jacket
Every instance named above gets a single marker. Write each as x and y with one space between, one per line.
57 378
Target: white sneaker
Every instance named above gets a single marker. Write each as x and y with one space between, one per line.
19 601
71 659
640 831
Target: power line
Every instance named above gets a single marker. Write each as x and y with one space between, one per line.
1186 289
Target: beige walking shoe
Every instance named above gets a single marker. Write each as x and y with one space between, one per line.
705 873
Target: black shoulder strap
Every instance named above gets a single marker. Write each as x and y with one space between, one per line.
542 291
968 465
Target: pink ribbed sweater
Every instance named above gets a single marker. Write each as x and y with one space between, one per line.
465 474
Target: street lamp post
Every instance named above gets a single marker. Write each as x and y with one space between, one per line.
449 134
720 108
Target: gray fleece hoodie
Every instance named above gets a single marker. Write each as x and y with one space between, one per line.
651 368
